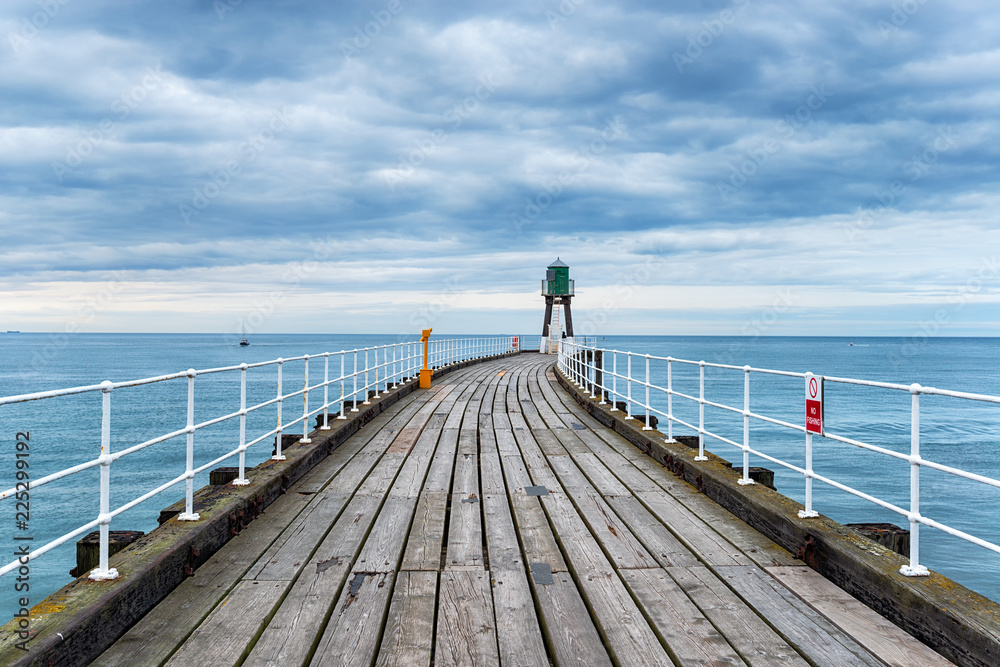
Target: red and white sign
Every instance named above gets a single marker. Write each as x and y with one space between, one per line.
513 343
814 403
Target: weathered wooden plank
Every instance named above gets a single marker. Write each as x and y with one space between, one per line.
442 465
549 443
408 639
531 416
815 637
572 643
405 439
383 548
626 632
289 636
501 536
579 545
289 553
660 542
519 634
380 479
423 546
877 634
224 636
753 639
466 626
517 421
506 444
411 475
614 535
466 477
537 540
711 547
352 636
679 623
465 533
535 461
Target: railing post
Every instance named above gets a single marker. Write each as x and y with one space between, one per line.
647 427
395 370
343 359
746 428
189 514
305 403
914 569
670 400
701 413
102 572
628 383
242 479
278 456
354 394
614 380
367 380
326 391
604 382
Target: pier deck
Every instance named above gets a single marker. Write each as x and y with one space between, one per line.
421 541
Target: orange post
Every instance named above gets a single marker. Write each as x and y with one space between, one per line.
425 372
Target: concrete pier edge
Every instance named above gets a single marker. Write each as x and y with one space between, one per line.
958 623
77 623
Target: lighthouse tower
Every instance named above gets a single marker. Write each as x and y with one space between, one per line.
558 291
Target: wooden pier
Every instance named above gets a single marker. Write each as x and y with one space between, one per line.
490 520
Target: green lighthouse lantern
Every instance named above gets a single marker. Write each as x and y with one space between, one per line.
558 290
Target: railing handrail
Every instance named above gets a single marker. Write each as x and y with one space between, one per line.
579 364
398 361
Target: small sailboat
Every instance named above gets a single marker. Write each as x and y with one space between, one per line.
243 341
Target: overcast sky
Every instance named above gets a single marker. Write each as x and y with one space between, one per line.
754 167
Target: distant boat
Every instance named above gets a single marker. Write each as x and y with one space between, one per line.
12 331
243 341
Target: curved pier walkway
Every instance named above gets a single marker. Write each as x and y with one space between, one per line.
489 520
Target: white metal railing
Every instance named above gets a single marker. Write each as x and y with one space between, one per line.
361 371
592 372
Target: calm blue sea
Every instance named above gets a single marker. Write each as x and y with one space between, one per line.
66 431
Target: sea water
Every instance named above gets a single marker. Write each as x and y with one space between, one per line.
66 431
